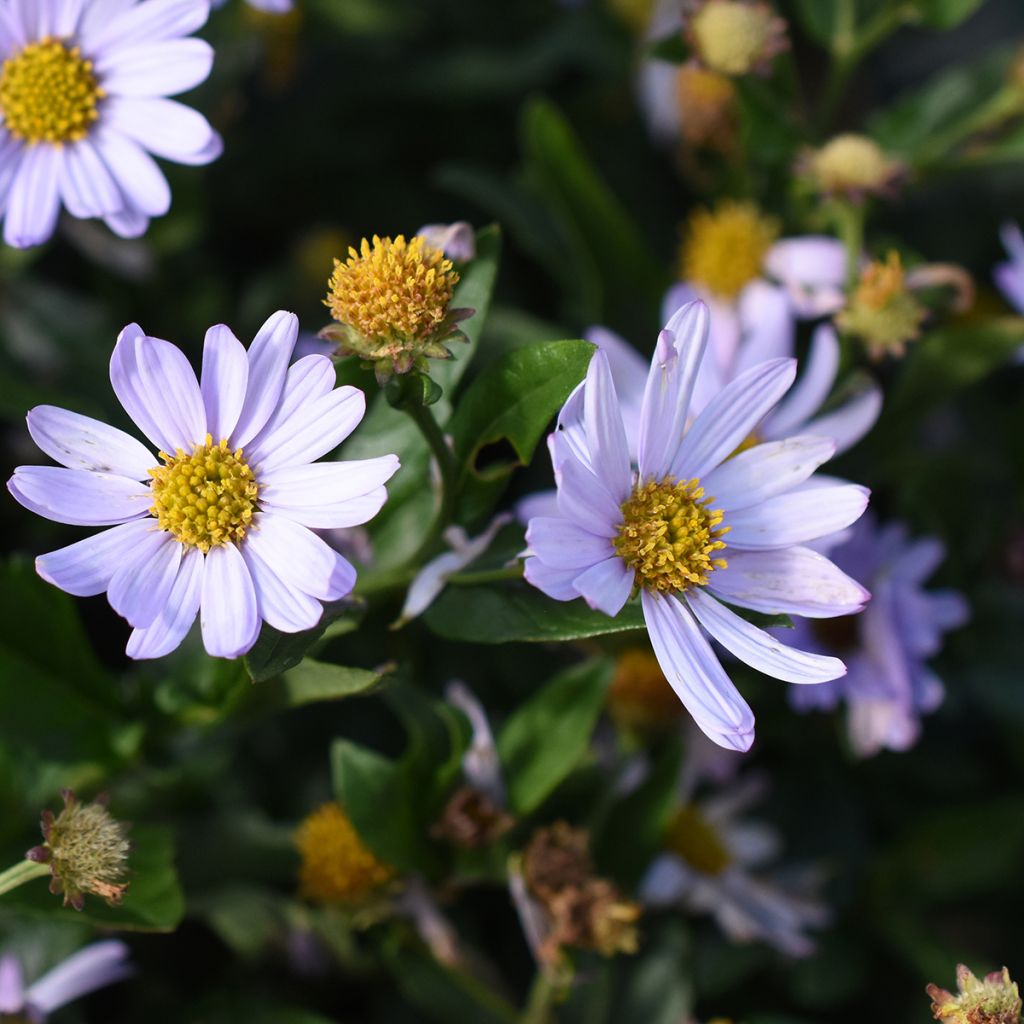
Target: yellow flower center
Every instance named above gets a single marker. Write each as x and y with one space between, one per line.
852 163
392 290
669 535
694 839
882 311
640 696
206 498
723 249
336 867
706 106
734 37
49 93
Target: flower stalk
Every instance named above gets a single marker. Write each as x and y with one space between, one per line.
20 873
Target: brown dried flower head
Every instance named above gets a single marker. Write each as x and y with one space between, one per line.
993 999
471 820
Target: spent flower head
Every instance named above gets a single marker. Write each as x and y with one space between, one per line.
391 300
853 166
706 101
640 698
87 851
337 867
993 999
737 37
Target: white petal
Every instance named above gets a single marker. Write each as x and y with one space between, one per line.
34 200
812 268
145 22
164 127
586 501
126 380
308 379
144 186
556 583
175 619
140 588
765 470
851 421
730 417
606 586
228 612
562 544
171 392
87 186
793 581
12 985
797 517
85 971
154 69
282 605
324 484
677 356
269 356
61 19
127 223
80 442
335 515
605 434
300 558
812 387
79 497
85 568
758 649
766 322
224 377
695 673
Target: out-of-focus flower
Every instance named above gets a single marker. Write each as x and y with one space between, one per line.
737 37
663 529
226 523
713 864
267 6
83 105
1009 275
689 103
888 685
883 312
336 866
569 904
993 999
91 968
391 303
431 579
87 851
811 269
640 698
853 166
457 240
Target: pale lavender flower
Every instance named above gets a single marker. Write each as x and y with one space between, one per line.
662 528
84 109
225 525
457 240
91 968
889 685
1009 275
718 861
267 6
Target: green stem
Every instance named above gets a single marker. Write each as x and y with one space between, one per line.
850 224
999 108
22 872
542 994
424 419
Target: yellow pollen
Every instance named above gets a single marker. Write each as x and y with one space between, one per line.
707 107
735 37
882 311
392 290
336 867
669 535
206 498
694 839
852 163
723 249
49 93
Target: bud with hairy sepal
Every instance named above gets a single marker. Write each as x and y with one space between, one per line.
993 999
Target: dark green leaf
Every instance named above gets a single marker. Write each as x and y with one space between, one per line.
672 49
311 681
944 14
520 613
542 742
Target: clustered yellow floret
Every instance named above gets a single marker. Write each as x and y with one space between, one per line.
49 93
669 535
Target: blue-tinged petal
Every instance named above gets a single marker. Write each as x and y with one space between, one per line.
141 587
228 614
223 382
811 389
606 586
584 499
556 583
562 544
172 624
78 497
605 434
851 421
86 567
80 442
90 968
269 356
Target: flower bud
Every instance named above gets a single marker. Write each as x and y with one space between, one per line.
992 1000
737 37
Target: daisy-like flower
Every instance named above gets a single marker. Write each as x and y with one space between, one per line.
696 525
222 522
84 108
93 967
715 862
1009 275
267 6
889 685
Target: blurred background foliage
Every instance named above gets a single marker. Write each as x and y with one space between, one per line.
354 117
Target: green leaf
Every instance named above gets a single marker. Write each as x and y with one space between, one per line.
153 903
672 49
520 613
515 399
312 681
541 743
944 14
658 989
276 652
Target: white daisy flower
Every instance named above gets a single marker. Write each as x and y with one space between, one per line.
695 524
84 109
222 523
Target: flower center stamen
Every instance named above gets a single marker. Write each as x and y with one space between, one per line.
695 840
669 535
49 93
206 498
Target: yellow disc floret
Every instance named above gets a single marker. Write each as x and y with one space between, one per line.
336 866
852 164
392 290
49 93
669 535
723 249
206 498
735 37
693 838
